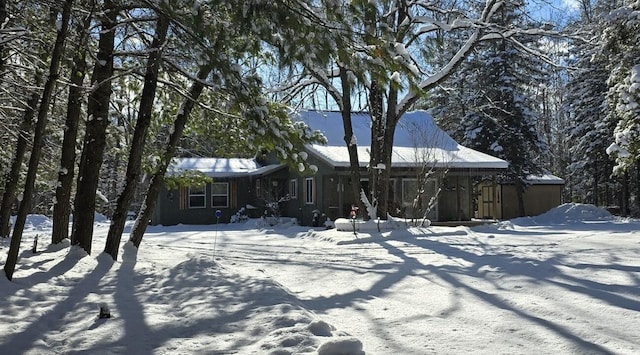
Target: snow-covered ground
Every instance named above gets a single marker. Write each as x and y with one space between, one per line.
567 282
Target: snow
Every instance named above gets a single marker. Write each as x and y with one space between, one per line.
417 139
221 167
565 282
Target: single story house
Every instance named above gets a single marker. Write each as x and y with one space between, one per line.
543 192
419 146
235 185
256 185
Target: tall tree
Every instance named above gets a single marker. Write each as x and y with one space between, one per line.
13 175
62 203
389 48
621 38
96 126
586 94
40 126
157 179
505 122
139 138
24 63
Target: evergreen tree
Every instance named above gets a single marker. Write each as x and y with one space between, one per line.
620 44
586 94
502 120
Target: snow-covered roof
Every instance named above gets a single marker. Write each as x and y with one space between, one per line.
417 140
544 179
221 167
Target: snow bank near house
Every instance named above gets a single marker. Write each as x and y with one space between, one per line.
566 214
391 223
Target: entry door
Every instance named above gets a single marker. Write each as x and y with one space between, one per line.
487 202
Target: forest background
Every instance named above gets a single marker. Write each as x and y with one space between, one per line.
96 97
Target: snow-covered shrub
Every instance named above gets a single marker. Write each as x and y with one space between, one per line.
240 216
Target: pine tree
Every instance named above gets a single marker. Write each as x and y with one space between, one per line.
38 138
96 126
501 119
586 94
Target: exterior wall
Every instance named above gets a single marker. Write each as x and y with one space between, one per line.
307 200
173 205
538 199
333 196
266 193
328 191
455 200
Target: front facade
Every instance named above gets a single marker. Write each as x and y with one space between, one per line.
235 184
445 194
500 201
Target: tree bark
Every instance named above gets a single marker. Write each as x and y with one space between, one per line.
34 159
62 206
3 16
13 176
157 180
143 122
95 135
352 146
378 123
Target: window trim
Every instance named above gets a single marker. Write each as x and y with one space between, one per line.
226 195
309 191
293 188
203 195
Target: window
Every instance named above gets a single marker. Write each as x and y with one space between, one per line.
293 188
309 191
197 196
258 188
422 195
409 191
220 194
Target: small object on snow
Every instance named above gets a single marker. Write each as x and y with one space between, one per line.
104 312
354 215
35 244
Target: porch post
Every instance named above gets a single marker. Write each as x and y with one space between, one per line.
340 188
495 195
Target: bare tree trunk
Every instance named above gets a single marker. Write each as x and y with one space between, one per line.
3 16
349 139
139 138
41 124
13 176
95 136
157 180
62 207
378 123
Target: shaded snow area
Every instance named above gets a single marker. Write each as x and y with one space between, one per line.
566 282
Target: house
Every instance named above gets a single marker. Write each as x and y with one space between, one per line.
235 183
419 146
500 201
